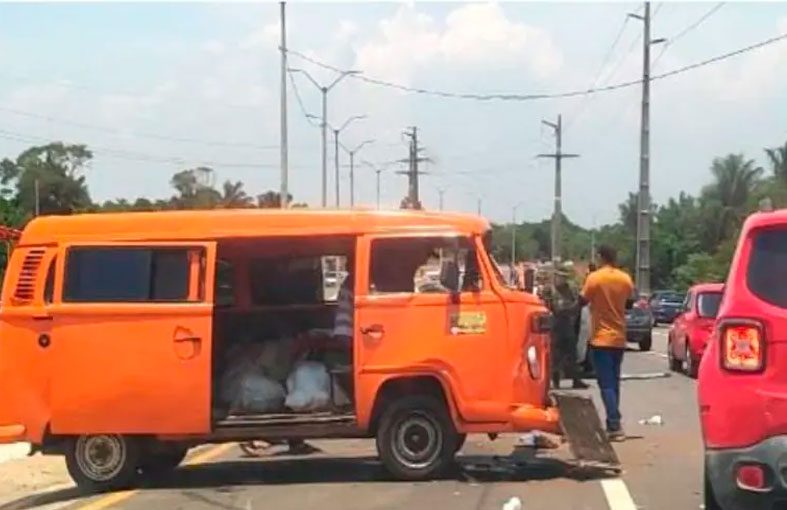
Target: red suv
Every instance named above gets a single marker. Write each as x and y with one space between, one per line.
743 375
690 330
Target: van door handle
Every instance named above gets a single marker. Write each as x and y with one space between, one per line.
184 338
42 317
375 331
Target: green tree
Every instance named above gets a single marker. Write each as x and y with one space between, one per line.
53 172
233 196
777 156
194 189
735 181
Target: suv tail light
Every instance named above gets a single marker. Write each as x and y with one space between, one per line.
742 345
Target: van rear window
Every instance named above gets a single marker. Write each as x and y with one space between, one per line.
99 274
766 273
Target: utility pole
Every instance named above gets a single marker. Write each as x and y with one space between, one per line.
352 167
557 212
378 171
38 199
441 192
642 271
324 89
413 172
513 232
284 193
478 206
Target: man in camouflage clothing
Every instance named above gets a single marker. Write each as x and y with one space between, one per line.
563 302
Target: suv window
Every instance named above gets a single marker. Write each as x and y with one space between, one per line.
414 264
111 274
688 303
766 274
708 304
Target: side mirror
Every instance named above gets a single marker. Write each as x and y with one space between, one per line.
449 275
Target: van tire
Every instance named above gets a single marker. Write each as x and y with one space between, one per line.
164 460
416 439
645 343
102 462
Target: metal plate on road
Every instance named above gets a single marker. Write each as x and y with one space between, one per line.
582 427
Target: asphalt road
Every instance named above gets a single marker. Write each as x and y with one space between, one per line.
662 469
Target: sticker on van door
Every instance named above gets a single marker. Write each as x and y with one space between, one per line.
468 323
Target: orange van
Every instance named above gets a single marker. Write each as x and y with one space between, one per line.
117 334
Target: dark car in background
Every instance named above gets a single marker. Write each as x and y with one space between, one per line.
639 325
666 305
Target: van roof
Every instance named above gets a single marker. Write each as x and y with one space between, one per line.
227 223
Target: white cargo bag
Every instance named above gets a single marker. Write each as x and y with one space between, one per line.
308 387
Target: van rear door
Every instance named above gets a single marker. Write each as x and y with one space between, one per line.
131 338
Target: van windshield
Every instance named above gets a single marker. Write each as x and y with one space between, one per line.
766 274
708 304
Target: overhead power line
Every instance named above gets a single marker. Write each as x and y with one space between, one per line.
309 117
556 95
120 132
137 156
672 40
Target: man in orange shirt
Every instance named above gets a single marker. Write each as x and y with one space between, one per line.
608 291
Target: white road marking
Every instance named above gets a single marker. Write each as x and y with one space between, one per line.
617 494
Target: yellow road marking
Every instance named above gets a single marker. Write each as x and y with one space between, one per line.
116 497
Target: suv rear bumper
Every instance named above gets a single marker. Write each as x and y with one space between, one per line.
721 466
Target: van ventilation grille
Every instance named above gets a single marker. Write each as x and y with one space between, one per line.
26 284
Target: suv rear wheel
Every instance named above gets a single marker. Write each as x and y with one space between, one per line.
416 439
690 364
102 462
674 364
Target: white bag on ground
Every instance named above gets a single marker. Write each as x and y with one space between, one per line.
308 387
259 394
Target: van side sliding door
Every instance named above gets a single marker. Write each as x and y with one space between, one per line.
131 338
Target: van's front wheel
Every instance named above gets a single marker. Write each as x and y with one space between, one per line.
102 462
416 439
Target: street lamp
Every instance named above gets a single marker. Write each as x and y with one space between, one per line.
324 123
352 167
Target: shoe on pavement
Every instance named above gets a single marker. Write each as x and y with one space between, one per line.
616 436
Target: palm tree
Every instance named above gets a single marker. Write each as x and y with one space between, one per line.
735 179
778 158
233 196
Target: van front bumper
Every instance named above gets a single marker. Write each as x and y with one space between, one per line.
12 433
721 467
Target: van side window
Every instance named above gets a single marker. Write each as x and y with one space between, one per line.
49 285
110 274
423 264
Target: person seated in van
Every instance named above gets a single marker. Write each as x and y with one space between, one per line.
340 339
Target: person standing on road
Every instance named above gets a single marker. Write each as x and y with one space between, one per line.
608 290
564 304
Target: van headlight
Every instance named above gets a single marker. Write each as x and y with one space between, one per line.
532 362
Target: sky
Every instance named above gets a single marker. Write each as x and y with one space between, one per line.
154 88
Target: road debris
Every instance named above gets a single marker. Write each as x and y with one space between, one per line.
645 376
656 419
537 439
513 504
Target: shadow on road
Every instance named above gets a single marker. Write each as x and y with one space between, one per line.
229 476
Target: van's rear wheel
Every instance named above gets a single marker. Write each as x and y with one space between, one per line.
102 462
416 439
646 342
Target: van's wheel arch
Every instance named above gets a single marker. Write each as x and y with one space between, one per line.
416 438
102 462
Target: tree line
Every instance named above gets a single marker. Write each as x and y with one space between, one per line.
693 236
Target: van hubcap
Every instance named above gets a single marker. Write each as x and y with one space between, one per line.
417 441
101 457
